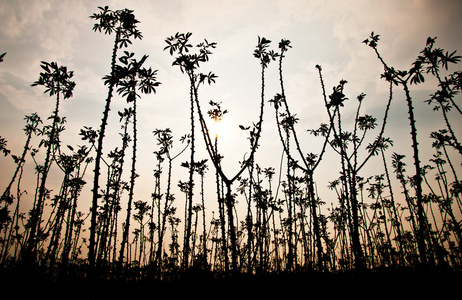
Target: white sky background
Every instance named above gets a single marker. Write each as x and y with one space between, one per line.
328 33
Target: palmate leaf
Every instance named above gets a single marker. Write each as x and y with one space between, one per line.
322 131
450 58
366 122
55 79
133 77
121 21
417 78
372 41
45 66
284 45
3 148
89 134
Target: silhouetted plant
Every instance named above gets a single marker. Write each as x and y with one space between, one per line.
165 141
7 198
309 162
32 122
265 56
124 24
382 144
189 63
133 77
65 203
142 209
399 168
57 81
78 164
201 168
444 199
3 146
114 188
431 60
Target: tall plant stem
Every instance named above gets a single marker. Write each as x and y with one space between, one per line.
133 176
421 230
187 236
36 212
98 158
20 163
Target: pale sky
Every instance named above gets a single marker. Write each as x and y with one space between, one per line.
328 33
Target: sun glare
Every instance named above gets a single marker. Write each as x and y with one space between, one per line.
218 129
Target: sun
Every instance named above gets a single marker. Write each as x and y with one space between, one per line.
218 129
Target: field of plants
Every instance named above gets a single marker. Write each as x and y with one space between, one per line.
403 221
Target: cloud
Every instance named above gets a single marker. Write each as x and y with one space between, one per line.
20 16
322 32
48 28
22 96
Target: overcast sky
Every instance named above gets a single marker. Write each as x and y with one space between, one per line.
328 33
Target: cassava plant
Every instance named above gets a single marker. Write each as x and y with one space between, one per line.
189 63
32 123
433 60
124 24
429 62
309 162
164 139
349 154
57 82
134 79
114 188
381 145
265 56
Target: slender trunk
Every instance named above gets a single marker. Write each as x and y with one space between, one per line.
290 234
249 222
36 213
422 230
62 206
163 223
455 141
6 193
98 158
19 166
194 236
187 237
317 231
204 232
276 245
133 176
15 220
232 229
141 240
69 229
221 208
396 223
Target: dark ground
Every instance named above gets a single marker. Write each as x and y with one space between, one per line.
301 285
410 284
